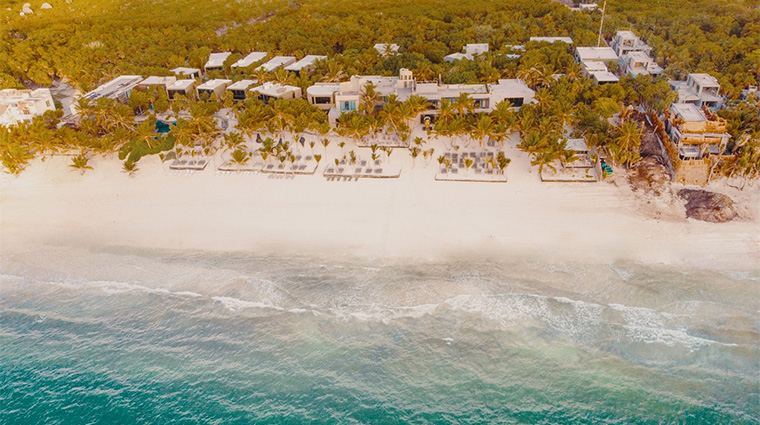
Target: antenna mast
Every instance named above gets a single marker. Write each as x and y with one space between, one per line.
599 40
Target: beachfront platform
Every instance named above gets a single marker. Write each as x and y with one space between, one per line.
233 167
476 175
194 164
569 175
483 168
387 141
363 169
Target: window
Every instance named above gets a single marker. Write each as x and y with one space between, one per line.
322 100
348 105
516 101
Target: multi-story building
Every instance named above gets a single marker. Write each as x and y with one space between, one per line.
697 138
181 87
276 62
213 88
117 89
347 97
250 59
626 42
305 64
157 84
216 61
187 72
701 90
638 63
271 90
239 89
18 106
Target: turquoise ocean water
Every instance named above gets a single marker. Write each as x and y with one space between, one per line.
125 336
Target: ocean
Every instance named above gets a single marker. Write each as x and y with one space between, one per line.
128 336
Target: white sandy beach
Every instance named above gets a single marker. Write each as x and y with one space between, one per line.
414 215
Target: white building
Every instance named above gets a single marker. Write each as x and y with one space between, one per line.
213 88
567 40
322 95
638 63
187 72
346 97
271 90
183 87
277 62
239 89
470 51
117 89
216 61
18 106
600 54
700 90
626 41
250 59
387 49
157 83
305 64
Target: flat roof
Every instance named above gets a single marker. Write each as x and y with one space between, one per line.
216 60
638 55
595 53
250 59
386 48
567 40
277 62
214 84
456 57
186 71
626 34
705 80
307 60
241 85
594 66
689 112
117 85
181 85
323 89
274 89
156 81
605 77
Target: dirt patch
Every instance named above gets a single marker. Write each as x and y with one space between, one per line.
708 206
649 175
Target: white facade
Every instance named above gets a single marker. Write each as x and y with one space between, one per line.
216 61
305 63
276 62
117 89
250 59
346 97
183 87
626 41
601 54
271 90
239 89
18 106
213 88
322 95
638 63
700 90
187 72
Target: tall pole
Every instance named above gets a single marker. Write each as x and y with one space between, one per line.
599 40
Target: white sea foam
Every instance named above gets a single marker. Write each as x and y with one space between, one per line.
235 304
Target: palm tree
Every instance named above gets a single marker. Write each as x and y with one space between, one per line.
545 158
533 143
468 163
129 167
369 97
464 104
414 151
81 163
628 141
334 72
483 128
233 140
502 161
325 143
240 156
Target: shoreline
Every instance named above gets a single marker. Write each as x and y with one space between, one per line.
412 216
